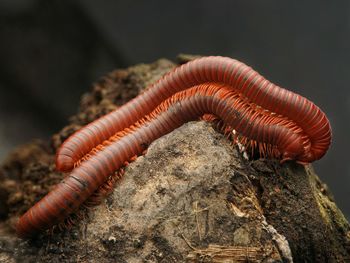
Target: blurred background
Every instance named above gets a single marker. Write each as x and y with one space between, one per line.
52 51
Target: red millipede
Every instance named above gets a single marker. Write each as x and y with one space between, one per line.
207 69
281 123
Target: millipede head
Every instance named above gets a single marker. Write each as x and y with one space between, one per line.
293 151
310 156
302 156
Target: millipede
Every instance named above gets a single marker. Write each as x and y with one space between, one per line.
279 123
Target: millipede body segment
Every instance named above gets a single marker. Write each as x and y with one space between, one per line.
280 123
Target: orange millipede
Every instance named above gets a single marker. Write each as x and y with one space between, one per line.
225 70
280 123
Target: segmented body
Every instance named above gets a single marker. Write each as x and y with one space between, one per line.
282 123
237 75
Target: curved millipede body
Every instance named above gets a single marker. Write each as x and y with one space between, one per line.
237 75
283 125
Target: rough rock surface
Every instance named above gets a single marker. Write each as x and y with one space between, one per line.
191 198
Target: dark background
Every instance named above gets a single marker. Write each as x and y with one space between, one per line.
52 51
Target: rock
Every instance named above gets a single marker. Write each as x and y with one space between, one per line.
191 198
